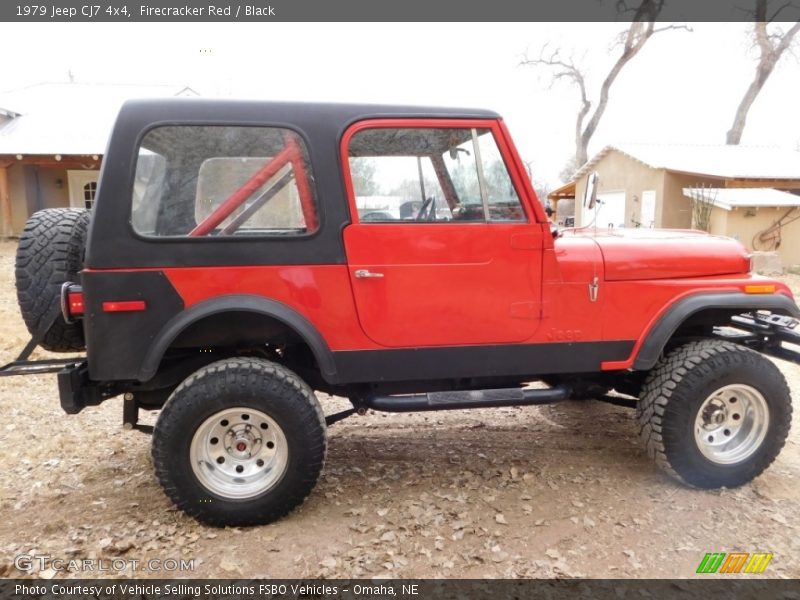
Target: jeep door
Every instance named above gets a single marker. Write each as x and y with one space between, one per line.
443 248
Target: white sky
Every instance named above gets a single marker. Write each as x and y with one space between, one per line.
682 88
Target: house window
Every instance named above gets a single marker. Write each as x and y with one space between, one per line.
89 192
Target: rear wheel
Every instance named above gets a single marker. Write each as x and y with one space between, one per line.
50 253
714 414
240 442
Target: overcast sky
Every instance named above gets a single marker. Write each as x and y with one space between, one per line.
682 88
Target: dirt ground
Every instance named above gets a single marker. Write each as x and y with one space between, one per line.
561 490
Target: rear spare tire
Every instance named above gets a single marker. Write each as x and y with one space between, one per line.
50 252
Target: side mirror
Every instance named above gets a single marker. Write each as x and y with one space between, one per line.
590 194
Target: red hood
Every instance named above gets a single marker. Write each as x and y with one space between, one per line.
666 253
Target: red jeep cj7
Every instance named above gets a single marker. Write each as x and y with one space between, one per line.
243 255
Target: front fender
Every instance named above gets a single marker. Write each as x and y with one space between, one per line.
660 333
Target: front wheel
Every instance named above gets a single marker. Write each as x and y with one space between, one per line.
714 414
240 442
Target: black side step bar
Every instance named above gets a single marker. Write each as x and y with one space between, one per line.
466 399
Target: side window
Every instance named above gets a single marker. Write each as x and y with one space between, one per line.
501 197
209 181
431 175
395 178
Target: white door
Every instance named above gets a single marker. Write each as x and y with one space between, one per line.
82 188
649 209
609 212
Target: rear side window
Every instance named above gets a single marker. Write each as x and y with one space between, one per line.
209 181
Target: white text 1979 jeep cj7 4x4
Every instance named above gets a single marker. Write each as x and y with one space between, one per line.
243 255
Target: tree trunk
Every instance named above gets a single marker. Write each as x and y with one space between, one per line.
771 49
641 28
740 120
581 142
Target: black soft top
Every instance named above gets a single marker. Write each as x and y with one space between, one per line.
157 110
112 241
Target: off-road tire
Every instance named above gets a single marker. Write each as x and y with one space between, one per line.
678 386
50 252
240 382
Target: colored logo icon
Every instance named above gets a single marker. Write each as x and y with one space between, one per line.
734 562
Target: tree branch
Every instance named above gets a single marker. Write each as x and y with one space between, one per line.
779 10
673 26
565 69
771 46
787 40
642 27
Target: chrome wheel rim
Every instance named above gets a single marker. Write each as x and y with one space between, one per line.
731 424
239 453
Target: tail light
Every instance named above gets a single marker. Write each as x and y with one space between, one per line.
71 301
125 306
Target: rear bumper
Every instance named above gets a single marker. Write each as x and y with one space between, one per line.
76 391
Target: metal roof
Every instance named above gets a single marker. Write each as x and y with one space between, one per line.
69 118
730 198
729 162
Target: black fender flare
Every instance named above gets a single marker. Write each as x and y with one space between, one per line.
239 303
668 323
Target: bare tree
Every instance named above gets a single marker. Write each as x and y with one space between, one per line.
703 199
569 168
772 43
643 26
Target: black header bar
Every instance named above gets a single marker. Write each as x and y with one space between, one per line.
387 589
152 11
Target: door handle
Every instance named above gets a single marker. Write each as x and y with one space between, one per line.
366 274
